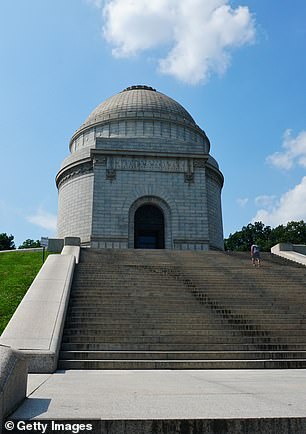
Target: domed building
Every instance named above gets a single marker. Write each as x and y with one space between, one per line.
140 176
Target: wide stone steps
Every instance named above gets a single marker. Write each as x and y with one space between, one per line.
181 360
96 312
231 281
166 295
184 310
181 322
237 312
146 328
144 301
181 340
183 364
221 316
180 355
195 326
187 347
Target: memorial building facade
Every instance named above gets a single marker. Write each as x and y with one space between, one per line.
140 175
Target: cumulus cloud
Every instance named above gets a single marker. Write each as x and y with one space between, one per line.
290 207
43 219
265 201
294 151
198 35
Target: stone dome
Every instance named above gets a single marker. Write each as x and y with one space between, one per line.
138 101
142 113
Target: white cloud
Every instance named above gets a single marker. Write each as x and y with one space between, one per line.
290 207
44 219
265 201
199 35
294 151
242 201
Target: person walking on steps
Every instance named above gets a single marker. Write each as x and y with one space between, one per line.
255 254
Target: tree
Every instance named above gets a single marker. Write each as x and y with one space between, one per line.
265 236
296 232
243 239
6 242
29 244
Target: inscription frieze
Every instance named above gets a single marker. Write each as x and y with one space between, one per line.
150 164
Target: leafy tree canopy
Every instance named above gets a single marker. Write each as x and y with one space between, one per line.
6 242
29 244
265 236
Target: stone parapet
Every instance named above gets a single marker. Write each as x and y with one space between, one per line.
37 324
72 251
13 380
55 245
293 252
72 241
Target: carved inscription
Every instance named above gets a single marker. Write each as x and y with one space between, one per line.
150 164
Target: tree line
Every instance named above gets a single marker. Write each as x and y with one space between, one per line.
7 243
266 236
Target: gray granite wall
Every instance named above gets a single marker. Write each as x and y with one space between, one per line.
183 205
75 208
214 211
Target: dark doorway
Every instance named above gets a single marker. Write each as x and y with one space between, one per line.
149 228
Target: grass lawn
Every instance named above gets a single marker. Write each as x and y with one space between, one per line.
17 272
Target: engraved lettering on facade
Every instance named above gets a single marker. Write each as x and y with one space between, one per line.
151 164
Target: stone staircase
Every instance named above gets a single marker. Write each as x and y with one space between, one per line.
160 309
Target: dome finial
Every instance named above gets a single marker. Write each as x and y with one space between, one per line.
139 86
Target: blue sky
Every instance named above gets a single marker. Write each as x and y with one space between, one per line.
238 67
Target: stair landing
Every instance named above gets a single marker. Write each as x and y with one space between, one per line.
147 402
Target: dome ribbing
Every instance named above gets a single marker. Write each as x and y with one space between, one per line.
138 101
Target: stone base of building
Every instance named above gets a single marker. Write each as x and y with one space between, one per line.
123 243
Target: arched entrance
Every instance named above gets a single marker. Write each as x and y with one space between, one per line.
149 228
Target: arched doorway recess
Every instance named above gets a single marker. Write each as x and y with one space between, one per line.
149 228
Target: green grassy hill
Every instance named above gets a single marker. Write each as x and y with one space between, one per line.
17 272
